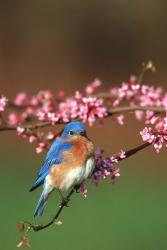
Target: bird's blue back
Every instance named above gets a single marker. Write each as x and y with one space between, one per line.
53 157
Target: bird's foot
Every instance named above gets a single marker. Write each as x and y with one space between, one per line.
76 189
64 202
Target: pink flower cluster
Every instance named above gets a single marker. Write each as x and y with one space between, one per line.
157 138
150 101
28 108
91 88
83 108
104 167
47 107
42 139
136 94
146 102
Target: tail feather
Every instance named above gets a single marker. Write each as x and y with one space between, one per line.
40 205
47 190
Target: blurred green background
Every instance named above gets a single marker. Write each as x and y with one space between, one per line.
65 45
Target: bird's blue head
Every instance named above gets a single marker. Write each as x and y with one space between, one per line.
72 129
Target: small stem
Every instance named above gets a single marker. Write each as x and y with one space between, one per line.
140 78
133 151
41 227
37 228
124 109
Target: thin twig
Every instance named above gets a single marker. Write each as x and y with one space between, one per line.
133 151
118 110
37 228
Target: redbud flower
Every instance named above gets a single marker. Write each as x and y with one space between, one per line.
32 138
40 148
3 103
104 166
13 118
21 98
147 135
115 172
20 130
84 190
120 119
121 154
50 135
61 93
92 87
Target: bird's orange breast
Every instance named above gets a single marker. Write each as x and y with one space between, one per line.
73 161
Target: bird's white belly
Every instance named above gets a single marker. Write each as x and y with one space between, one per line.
78 174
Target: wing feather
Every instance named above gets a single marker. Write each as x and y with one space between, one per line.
54 157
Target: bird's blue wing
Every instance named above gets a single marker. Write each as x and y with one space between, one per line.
54 157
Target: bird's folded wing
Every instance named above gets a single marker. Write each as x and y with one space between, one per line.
54 157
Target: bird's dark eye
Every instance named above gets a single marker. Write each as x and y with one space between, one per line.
71 132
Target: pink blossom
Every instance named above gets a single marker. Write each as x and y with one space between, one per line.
121 154
44 95
158 145
27 113
3 103
41 115
114 174
90 109
61 93
133 80
158 137
32 138
120 119
20 130
139 115
83 190
85 109
78 95
21 98
53 117
147 135
13 118
104 167
40 148
34 101
92 87
50 135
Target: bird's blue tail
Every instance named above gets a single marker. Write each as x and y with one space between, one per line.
40 205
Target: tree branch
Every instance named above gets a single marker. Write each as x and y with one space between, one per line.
118 110
36 228
110 112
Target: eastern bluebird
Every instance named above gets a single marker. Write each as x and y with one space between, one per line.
68 163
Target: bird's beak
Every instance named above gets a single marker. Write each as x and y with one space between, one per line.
83 134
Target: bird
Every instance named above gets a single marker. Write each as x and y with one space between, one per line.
68 163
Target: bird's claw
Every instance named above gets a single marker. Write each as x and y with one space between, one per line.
76 189
64 202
